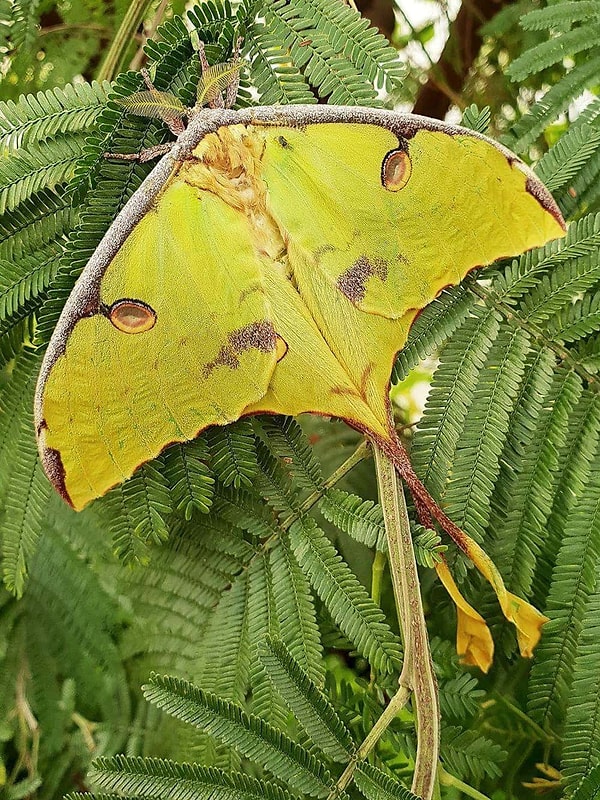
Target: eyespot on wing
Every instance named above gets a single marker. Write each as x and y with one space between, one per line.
131 316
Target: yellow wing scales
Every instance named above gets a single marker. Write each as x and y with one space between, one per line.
115 399
279 269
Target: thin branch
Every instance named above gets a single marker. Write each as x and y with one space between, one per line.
359 454
388 715
138 59
123 38
66 28
449 780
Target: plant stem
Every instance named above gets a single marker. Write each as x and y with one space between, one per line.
389 713
358 455
449 780
377 570
138 59
541 733
123 38
417 671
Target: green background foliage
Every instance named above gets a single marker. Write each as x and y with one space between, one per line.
241 564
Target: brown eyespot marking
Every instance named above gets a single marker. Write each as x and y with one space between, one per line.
395 170
131 316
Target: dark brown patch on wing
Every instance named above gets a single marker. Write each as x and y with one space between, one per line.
257 335
54 468
353 282
537 189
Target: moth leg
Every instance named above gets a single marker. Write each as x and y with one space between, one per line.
145 155
204 65
233 87
147 79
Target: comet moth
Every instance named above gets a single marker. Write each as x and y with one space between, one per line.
273 262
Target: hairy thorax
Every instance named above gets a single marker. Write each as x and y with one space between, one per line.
228 164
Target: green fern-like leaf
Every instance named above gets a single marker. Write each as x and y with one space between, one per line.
476 119
362 45
39 221
13 340
263 621
433 326
346 600
521 537
274 483
452 392
277 80
428 546
227 648
158 778
578 320
51 114
582 728
295 610
308 705
137 511
562 14
189 478
378 785
573 582
24 283
332 75
477 462
589 786
361 519
147 494
47 165
173 597
568 155
25 503
286 440
554 102
233 457
24 486
460 697
548 53
576 459
469 755
251 736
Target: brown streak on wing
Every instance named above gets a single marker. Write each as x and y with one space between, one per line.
258 335
353 282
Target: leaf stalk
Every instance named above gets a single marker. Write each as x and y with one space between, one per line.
417 671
